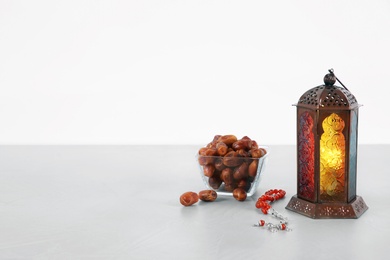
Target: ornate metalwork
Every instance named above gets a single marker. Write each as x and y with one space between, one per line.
328 210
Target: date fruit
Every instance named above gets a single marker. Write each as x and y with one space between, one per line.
222 148
215 182
189 198
227 139
207 195
252 169
231 159
241 172
208 170
239 194
227 176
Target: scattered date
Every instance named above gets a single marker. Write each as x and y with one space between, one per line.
189 198
207 195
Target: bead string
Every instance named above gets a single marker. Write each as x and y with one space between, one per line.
272 227
271 196
263 203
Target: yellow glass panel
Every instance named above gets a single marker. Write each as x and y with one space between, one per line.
332 158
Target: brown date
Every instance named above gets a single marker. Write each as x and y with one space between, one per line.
202 150
216 138
219 164
206 155
239 194
227 176
246 138
215 182
228 139
208 170
211 152
243 183
230 187
253 145
241 171
189 198
222 148
243 153
257 153
231 159
241 144
207 195
252 169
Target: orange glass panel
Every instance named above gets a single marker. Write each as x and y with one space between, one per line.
332 159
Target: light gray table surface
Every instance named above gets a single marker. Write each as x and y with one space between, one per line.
122 202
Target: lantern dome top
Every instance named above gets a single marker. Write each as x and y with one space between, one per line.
328 96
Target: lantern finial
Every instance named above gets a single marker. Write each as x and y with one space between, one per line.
330 78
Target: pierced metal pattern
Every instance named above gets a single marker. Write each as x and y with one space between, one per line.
334 211
302 206
328 96
328 210
311 97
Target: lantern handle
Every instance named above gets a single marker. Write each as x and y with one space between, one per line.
332 72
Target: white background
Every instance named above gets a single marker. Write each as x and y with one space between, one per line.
179 72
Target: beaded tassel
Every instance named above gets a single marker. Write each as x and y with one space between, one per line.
273 227
263 203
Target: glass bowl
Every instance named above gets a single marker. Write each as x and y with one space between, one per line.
224 174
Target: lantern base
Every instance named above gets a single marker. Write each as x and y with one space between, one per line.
353 209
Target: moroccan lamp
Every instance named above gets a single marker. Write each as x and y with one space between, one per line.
327 130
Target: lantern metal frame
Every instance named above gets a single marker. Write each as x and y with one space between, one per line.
339 106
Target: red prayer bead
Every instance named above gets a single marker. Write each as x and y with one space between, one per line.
269 196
